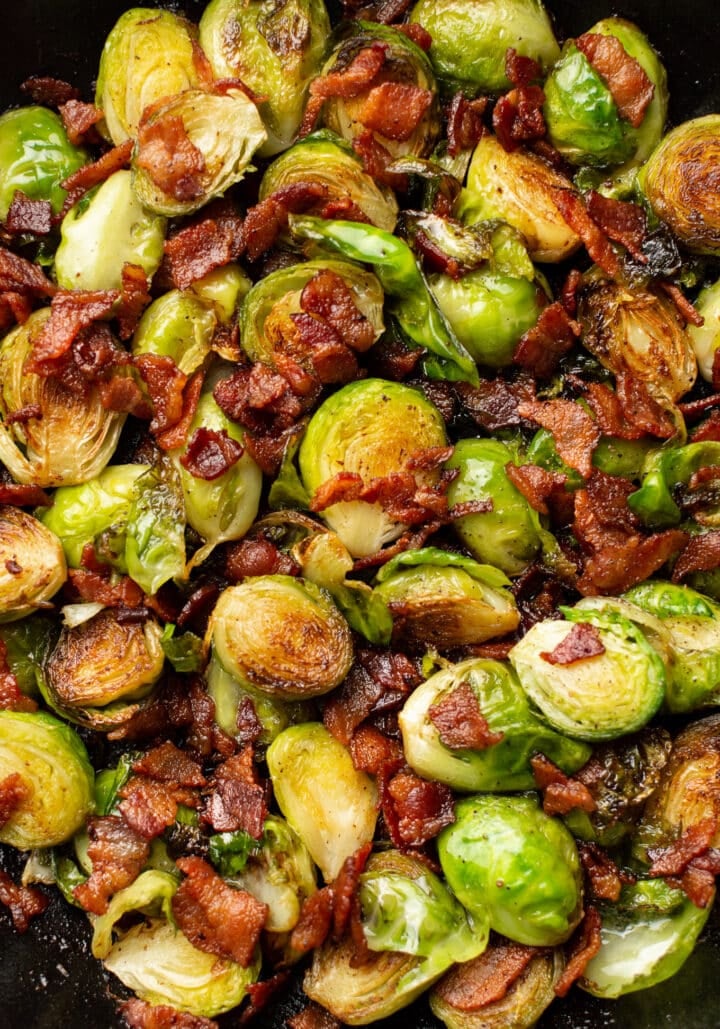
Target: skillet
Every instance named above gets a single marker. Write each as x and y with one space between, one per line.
48 979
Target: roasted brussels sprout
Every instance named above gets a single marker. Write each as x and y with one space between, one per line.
679 183
150 894
27 643
329 804
275 48
368 429
665 475
705 338
54 779
228 695
35 157
470 39
503 856
106 230
282 635
505 764
32 564
74 436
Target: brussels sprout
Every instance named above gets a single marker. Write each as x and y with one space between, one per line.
678 183
705 338
222 130
445 600
159 964
329 804
56 779
453 999
223 507
665 473
73 438
612 455
327 160
177 325
640 332
583 119
517 186
282 635
405 64
32 564
504 856
107 229
228 695
148 55
150 894
645 938
470 39
27 643
506 764
35 157
370 429
275 48
100 670
507 534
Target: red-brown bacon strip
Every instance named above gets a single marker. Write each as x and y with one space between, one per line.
603 874
79 118
167 763
464 123
621 221
29 216
395 109
560 793
118 855
140 1015
416 810
376 160
237 800
70 312
171 159
582 642
575 433
356 78
13 791
327 296
23 902
211 241
134 298
460 722
584 946
487 978
542 346
210 453
165 383
379 680
674 859
150 807
92 174
18 275
571 207
536 484
701 554
625 77
267 219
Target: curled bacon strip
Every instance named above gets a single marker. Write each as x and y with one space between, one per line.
625 77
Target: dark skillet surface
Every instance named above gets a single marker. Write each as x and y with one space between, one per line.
48 978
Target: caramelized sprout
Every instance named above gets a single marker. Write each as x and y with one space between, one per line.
32 564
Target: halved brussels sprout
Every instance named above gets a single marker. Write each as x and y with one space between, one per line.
228 694
705 338
32 564
106 230
470 39
150 894
148 55
159 964
503 766
282 635
614 691
56 778
679 183
329 804
275 47
74 436
445 600
645 938
371 429
665 473
27 644
504 856
222 131
506 535
35 157
100 670
177 325
328 160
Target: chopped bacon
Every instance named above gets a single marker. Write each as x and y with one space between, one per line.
623 222
18 275
211 241
322 347
603 874
205 734
371 750
118 855
257 556
625 77
237 800
582 642
399 495
70 312
460 722
522 71
248 725
267 219
584 946
259 399
493 404
419 35
13 791
609 411
698 883
165 383
134 298
20 494
313 926
674 859
376 159
575 433
536 484
542 346
518 116
216 918
486 979
171 159
707 430
571 207
313 1017
23 902
391 358
177 433
260 994
327 296
687 311
560 793
48 91
92 174
379 680
395 109
495 651
210 453
312 112
435 259
140 1015
167 763
413 539
95 587
344 889
640 407
568 291
150 807
416 810
701 554
356 78
28 216
79 118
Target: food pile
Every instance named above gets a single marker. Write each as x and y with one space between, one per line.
360 511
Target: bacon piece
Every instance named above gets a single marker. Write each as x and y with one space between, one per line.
216 918
536 484
571 207
356 78
134 298
237 805
167 763
640 407
434 257
414 31
493 404
344 890
23 902
177 433
17 275
249 727
623 222
211 453
171 159
582 642
568 291
686 310
460 722
674 859
29 216
393 359
259 399
267 219
140 1015
584 946
416 810
487 978
150 807
522 71
371 750
79 118
698 883
542 346
313 926
575 433
701 554
379 680
211 241
48 91
376 158
205 735
70 312
625 77
257 556
165 383
13 791
94 587
260 994
603 874
327 296
313 1017
413 539
118 855
395 109
465 123
518 116
92 174
560 793
609 412
322 347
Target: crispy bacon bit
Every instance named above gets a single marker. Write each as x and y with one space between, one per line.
118 855
575 433
344 889
177 433
686 310
414 31
13 791
625 77
96 587
582 642
313 1017
312 112
571 207
419 809
78 119
568 291
205 734
321 346
371 750
216 918
518 116
149 807
674 859
395 109
493 404
584 946
313 926
167 763
25 215
140 1015
210 453
460 722
260 994
604 876
487 978
22 495
413 539
165 383
257 556
609 411
701 554
536 484
380 680
92 174
267 219
356 78
327 296
211 241
49 92
376 158
171 159
71 311
542 346
698 883
465 123
434 257
17 275
237 805
399 495
623 222
259 399
134 298
560 794
249 727
522 71
23 902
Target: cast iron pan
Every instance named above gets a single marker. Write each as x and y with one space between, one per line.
48 979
